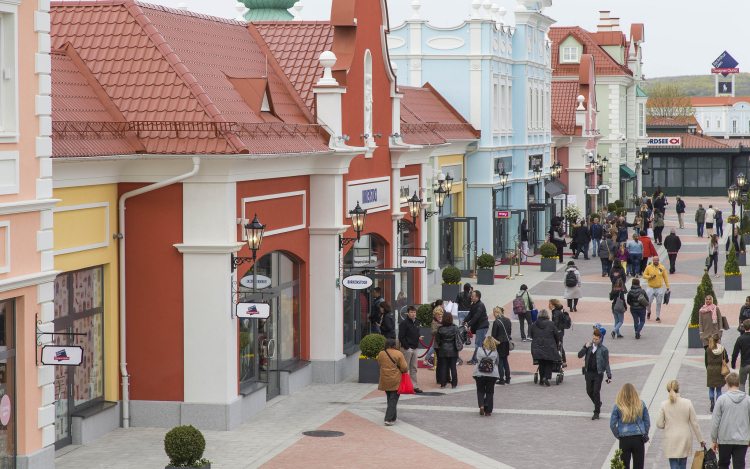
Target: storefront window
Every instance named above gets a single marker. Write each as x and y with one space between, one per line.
366 254
7 386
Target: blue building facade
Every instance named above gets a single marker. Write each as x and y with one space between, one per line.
497 76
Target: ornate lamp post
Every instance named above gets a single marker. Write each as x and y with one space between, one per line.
358 223
254 233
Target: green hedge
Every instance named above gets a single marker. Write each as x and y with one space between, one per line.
486 262
548 250
619 203
611 206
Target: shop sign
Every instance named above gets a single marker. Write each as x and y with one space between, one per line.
666 141
560 197
357 282
262 281
409 187
604 187
592 191
537 207
66 356
373 195
417 262
502 214
361 261
253 310
5 410
725 64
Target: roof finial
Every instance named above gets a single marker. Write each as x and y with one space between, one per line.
327 60
240 7
487 5
298 10
394 67
415 5
501 15
182 7
580 100
476 5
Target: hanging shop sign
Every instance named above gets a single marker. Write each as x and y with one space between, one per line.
666 141
253 310
417 262
560 197
502 214
592 191
66 356
5 410
357 282
604 187
537 207
262 281
362 261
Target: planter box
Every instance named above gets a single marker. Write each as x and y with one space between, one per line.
746 237
733 282
549 265
425 332
742 259
450 292
369 370
207 466
486 276
694 338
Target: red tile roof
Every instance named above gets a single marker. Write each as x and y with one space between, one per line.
718 101
167 65
694 141
605 63
564 94
426 118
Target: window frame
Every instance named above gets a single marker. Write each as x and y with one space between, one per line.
568 56
9 97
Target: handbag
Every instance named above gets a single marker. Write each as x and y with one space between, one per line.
405 387
724 323
697 460
511 345
611 255
666 297
620 307
724 367
534 315
644 438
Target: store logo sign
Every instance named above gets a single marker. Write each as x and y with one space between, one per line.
502 214
417 262
66 356
666 141
369 196
5 410
253 310
262 281
357 282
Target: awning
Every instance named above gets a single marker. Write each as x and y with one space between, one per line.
626 173
554 188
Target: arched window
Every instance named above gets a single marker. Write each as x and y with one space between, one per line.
718 124
708 124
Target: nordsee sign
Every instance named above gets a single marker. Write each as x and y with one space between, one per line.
417 262
357 282
665 141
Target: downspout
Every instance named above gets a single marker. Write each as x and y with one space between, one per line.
121 236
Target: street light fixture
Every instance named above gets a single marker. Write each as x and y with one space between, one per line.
741 180
254 233
415 205
503 179
604 162
448 183
358 223
537 173
733 192
439 195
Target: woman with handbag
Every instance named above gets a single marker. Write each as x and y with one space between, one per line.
677 417
716 360
544 346
387 323
607 251
710 321
630 424
486 375
619 306
392 367
447 342
713 254
501 330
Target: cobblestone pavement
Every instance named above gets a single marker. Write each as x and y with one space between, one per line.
532 426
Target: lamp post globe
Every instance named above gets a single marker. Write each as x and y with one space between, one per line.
537 173
503 179
358 219
448 183
440 194
415 204
741 180
604 162
733 192
254 232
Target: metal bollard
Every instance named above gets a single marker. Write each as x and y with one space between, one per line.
510 273
519 274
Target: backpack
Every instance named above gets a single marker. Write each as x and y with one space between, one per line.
486 364
518 305
570 279
565 320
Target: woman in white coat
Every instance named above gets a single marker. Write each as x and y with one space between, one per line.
676 418
572 288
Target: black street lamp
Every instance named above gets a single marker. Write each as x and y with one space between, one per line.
448 183
741 180
415 205
503 181
358 223
733 192
254 233
537 173
439 195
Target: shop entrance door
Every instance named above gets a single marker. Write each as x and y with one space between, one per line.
537 225
458 241
504 234
262 338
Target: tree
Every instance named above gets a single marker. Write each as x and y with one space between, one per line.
668 100
731 267
704 289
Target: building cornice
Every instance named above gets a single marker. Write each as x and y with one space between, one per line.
30 280
209 248
28 206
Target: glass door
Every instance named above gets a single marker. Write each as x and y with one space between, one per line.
63 392
458 242
268 350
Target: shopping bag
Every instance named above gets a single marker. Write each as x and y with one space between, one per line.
697 460
709 460
650 233
666 297
406 387
534 314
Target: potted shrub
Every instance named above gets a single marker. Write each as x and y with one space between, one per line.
732 275
548 251
486 269
370 346
612 207
451 283
185 445
424 317
705 288
619 203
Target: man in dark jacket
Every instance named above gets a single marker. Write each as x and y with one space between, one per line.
596 234
637 308
659 203
672 244
524 240
595 364
742 349
546 339
737 240
375 315
700 219
582 239
501 331
408 336
478 323
463 300
681 211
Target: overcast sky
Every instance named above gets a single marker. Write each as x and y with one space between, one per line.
683 37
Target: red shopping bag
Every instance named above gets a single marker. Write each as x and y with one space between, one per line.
406 387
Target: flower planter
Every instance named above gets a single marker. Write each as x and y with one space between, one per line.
694 338
425 332
742 259
369 370
207 466
486 276
733 282
549 265
746 237
450 292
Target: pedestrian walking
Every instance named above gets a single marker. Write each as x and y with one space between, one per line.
660 203
486 375
408 337
635 254
648 251
680 209
637 299
544 347
658 285
672 244
595 364
561 320
716 359
709 219
557 237
572 284
607 252
463 299
677 418
437 319
730 425
596 233
387 322
582 239
700 219
502 328
618 273
744 314
658 226
645 220
619 306
376 315
713 254
709 321
622 230
630 423
522 306
737 240
644 198
742 350
622 254
719 222
478 322
638 222
447 346
524 240
392 366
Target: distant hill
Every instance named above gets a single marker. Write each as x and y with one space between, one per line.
703 85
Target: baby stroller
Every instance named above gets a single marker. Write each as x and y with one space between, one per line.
556 368
464 335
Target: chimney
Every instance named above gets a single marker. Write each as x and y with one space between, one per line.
615 22
604 23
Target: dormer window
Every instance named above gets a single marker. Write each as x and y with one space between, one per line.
570 55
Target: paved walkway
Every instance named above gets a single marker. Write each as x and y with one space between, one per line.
532 426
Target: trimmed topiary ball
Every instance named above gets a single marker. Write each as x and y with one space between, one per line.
451 276
424 315
184 445
486 261
619 203
548 250
371 345
611 206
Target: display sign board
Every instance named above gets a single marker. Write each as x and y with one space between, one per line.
537 207
725 87
724 62
409 187
725 71
502 214
362 261
357 282
604 187
66 356
373 195
417 262
666 141
572 199
560 197
592 191
261 282
253 310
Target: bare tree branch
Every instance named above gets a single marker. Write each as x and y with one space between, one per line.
668 100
